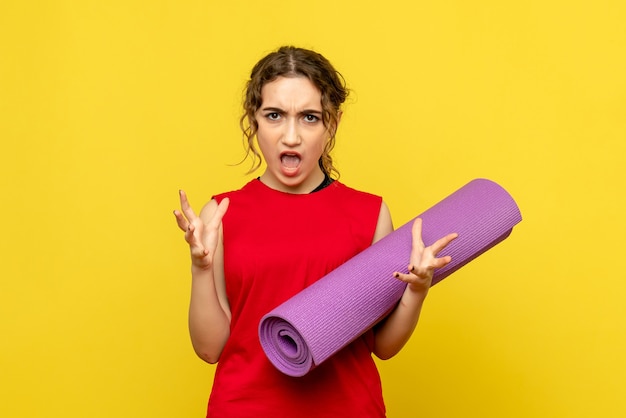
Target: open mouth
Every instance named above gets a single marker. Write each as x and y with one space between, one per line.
290 160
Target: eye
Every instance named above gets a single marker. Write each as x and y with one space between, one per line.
311 118
273 116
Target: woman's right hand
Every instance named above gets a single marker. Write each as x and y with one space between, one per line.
202 236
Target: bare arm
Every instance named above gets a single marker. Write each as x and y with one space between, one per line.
395 330
209 312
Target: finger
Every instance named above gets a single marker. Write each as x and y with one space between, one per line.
196 247
442 262
189 234
416 231
410 278
198 252
403 276
422 270
181 221
186 207
442 243
216 220
435 263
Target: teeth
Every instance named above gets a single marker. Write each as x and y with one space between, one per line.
290 160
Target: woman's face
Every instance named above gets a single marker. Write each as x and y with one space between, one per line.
291 134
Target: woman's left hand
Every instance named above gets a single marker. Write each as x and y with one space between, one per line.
424 260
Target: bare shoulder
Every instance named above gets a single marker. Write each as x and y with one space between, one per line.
208 210
384 226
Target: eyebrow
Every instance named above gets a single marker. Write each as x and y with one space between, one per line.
302 112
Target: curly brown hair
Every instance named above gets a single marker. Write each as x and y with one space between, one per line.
290 61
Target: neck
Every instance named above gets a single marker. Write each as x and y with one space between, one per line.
304 187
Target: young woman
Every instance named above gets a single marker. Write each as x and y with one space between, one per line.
254 248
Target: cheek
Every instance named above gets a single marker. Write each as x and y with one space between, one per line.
264 146
264 134
322 143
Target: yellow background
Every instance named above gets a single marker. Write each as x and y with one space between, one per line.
107 108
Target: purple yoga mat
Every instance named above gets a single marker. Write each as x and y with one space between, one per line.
326 316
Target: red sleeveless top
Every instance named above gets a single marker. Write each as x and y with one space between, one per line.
276 244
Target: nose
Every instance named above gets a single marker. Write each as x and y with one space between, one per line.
291 135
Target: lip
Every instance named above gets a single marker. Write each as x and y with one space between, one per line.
290 171
297 154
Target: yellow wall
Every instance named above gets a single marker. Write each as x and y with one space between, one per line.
107 108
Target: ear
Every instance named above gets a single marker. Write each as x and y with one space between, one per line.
339 115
